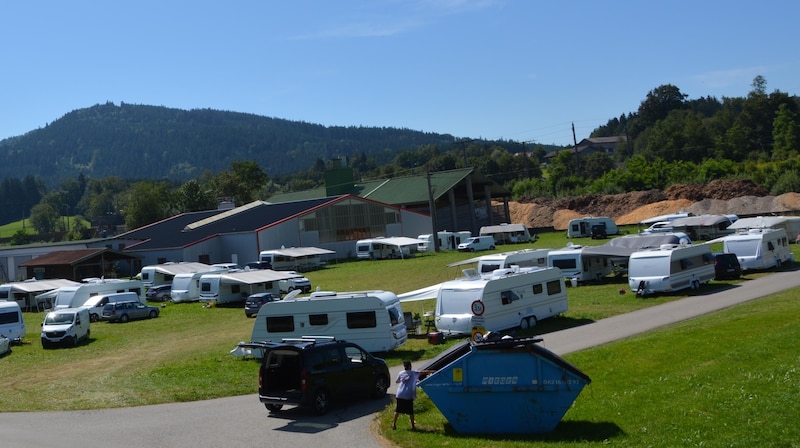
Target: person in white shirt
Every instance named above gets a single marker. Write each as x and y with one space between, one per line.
407 392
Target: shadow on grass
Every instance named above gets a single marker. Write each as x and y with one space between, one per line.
566 431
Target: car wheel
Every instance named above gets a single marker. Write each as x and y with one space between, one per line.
94 318
166 298
321 402
381 386
74 341
123 318
153 314
273 407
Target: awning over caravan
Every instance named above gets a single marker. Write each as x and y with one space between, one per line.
626 245
759 222
429 292
297 252
257 276
41 285
701 221
181 268
502 228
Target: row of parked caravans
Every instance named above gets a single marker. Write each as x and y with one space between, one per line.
667 268
470 305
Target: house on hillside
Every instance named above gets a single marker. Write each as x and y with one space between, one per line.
463 197
605 145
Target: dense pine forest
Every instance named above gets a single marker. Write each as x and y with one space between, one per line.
135 164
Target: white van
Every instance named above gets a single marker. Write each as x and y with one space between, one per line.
506 298
477 243
95 304
12 325
371 319
759 248
66 326
671 267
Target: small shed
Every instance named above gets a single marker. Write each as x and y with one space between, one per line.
79 264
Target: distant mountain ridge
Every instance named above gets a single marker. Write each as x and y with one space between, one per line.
156 142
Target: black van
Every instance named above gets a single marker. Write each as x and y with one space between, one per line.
726 266
314 371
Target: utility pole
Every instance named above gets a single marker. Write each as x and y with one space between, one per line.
577 161
432 207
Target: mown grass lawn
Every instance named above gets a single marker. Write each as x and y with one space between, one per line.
723 380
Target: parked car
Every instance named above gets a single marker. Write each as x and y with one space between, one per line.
258 265
125 311
726 266
313 372
254 303
160 293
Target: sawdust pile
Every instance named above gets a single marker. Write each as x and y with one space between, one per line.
719 197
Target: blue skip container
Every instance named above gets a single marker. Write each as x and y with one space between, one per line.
503 386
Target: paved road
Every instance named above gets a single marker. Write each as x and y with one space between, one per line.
243 421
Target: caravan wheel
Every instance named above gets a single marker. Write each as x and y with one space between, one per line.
523 324
778 264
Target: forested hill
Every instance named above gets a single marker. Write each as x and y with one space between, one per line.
152 142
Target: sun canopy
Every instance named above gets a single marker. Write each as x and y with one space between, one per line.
258 276
41 285
701 221
181 268
297 252
626 245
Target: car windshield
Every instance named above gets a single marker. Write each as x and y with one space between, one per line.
59 318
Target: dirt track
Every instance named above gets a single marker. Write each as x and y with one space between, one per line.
738 197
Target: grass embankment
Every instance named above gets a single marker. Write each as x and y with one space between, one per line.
184 355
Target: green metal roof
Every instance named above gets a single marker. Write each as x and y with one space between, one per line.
407 190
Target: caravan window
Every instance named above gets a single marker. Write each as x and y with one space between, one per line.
318 319
9 318
565 263
280 324
506 297
489 267
362 319
553 287
205 287
394 317
537 288
236 288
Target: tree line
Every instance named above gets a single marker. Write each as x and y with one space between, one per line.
668 140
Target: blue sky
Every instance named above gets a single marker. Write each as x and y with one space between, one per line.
522 70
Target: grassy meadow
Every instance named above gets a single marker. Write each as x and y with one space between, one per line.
728 379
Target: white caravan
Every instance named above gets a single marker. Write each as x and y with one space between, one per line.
380 248
236 286
579 267
582 227
759 248
294 258
371 319
671 267
25 292
525 258
507 233
163 274
12 324
186 286
504 299
76 296
447 240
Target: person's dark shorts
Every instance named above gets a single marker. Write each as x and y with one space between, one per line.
404 406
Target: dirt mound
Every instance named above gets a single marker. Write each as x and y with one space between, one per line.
719 197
